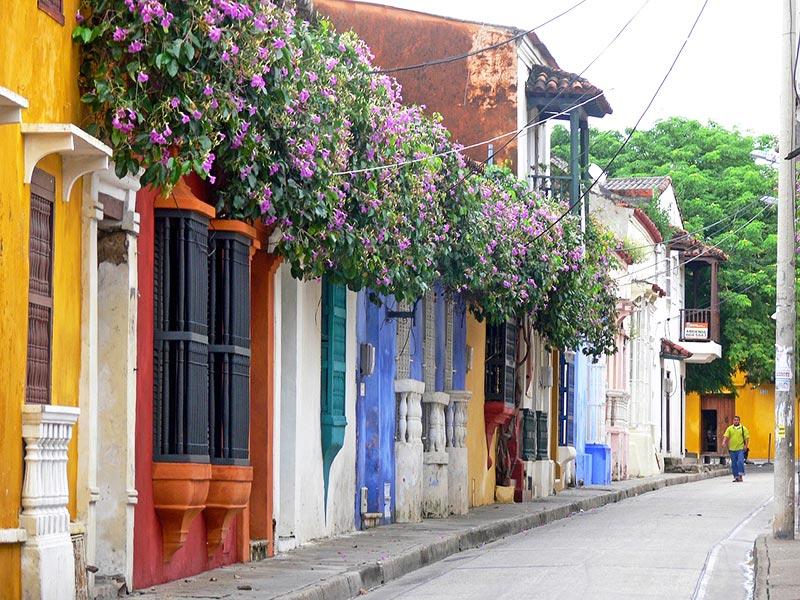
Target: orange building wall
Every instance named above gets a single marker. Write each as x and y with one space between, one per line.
477 97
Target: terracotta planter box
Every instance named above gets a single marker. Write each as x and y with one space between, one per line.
228 495
180 491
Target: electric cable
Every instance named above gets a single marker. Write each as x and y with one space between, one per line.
633 129
456 57
516 133
694 258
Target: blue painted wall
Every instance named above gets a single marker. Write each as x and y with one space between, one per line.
375 409
460 345
583 461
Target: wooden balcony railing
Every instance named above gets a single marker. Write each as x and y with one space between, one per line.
552 186
700 325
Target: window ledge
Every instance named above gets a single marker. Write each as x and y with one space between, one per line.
81 153
11 106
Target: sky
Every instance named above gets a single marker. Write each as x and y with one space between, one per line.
728 72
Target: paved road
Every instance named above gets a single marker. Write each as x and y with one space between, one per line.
690 541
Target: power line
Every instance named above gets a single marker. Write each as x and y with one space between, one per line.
516 133
633 129
698 231
694 258
456 57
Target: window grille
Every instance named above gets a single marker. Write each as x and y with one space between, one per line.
566 402
541 435
501 354
229 347
528 434
180 382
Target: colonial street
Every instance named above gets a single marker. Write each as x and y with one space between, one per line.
685 541
669 536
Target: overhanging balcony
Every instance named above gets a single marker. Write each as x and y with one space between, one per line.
700 334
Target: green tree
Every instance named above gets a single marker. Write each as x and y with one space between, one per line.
718 187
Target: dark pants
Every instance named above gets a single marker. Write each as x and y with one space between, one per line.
737 462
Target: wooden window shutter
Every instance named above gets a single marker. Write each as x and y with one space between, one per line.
334 348
229 347
541 435
54 8
501 357
180 379
403 343
528 434
334 373
40 287
566 400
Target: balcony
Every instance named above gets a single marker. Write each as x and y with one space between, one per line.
552 187
700 325
700 334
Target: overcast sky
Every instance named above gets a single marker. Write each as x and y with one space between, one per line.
727 73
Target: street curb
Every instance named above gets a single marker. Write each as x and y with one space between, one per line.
760 568
363 578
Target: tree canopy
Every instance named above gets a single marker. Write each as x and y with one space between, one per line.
719 189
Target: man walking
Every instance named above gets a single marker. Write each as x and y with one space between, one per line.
737 440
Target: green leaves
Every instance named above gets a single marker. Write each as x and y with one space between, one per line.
717 186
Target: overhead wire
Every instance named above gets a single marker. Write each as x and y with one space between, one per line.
704 228
694 258
517 132
633 129
456 57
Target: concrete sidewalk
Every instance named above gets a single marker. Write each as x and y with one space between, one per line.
344 567
777 568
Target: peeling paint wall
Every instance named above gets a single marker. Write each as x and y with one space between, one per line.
477 96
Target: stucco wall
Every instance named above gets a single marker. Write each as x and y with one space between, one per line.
43 70
481 481
301 511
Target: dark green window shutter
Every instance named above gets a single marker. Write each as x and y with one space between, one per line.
528 434
541 435
333 388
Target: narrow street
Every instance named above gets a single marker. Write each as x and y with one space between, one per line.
688 541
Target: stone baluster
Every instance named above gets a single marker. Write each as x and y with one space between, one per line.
435 458
408 450
48 565
457 473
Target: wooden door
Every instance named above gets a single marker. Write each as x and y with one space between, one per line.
725 407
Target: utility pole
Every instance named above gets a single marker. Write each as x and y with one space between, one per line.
785 301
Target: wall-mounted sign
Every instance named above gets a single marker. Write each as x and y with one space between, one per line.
695 331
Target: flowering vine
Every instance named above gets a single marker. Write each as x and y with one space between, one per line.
290 125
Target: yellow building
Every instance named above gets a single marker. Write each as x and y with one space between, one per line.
708 415
481 479
45 297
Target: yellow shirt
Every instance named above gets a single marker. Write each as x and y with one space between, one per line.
736 436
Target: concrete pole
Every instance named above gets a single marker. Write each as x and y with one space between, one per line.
786 310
